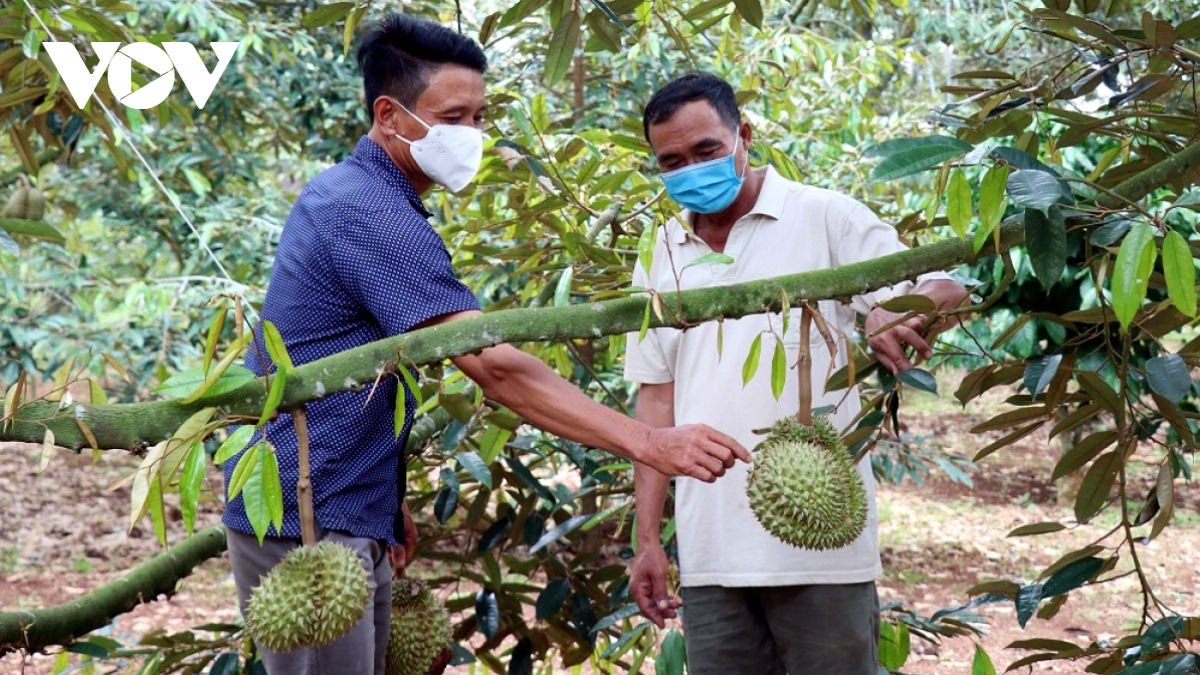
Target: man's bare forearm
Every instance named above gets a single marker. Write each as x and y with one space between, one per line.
656 408
535 392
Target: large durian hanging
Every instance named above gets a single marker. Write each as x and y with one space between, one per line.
803 487
420 629
314 596
26 202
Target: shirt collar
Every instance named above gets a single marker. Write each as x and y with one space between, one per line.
380 165
771 198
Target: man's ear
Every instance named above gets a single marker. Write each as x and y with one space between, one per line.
385 115
747 134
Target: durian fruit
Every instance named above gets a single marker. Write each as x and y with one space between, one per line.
804 489
314 596
420 629
26 202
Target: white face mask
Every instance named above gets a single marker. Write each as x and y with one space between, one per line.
450 154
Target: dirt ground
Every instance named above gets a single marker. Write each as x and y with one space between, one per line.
63 533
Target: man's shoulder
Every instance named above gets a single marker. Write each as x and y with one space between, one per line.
832 202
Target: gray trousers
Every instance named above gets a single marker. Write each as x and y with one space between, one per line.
359 652
799 630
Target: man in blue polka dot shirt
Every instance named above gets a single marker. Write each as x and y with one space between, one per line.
358 261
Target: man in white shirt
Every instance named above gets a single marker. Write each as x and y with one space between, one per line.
754 604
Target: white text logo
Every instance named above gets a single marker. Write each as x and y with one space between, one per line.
118 61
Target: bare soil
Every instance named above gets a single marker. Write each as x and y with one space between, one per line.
63 533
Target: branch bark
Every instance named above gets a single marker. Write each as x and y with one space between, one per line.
135 425
61 624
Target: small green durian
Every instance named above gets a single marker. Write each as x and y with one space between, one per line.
420 629
26 202
803 487
314 596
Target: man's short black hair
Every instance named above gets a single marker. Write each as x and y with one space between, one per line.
684 90
399 53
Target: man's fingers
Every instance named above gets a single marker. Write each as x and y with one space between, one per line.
911 337
731 443
646 603
699 473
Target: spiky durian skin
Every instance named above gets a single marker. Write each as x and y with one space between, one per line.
314 596
25 202
803 487
17 204
420 629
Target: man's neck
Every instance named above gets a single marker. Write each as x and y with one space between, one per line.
714 228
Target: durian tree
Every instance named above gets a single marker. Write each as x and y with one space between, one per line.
1064 155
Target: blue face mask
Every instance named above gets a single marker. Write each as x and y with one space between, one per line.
707 187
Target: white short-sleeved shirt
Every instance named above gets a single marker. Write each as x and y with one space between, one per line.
792 228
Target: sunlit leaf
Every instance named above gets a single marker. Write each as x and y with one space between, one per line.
189 485
1131 274
958 203
750 366
234 444
1179 268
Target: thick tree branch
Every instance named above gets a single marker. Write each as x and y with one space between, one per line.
61 624
142 424
133 425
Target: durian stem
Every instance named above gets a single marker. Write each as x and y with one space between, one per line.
308 524
804 416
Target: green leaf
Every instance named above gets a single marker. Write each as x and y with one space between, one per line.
1097 483
7 244
276 348
958 203
645 320
475 466
1179 267
616 617
157 512
982 665
275 395
646 245
1131 275
906 156
487 612
1036 528
750 366
672 655
562 292
234 444
212 378
561 530
1034 189
189 485
617 648
612 16
894 644
323 16
31 44
1046 242
445 503
1023 161
1071 577
496 533
550 601
272 487
226 664
1039 372
214 334
1027 601
245 468
31 228
562 47
1082 452
186 382
711 257
1161 633
1170 376
1111 232
779 369
254 500
751 11
521 661
919 379
991 202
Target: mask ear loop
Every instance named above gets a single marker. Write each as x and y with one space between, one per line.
412 115
745 169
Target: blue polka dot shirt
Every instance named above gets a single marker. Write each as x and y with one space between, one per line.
357 262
